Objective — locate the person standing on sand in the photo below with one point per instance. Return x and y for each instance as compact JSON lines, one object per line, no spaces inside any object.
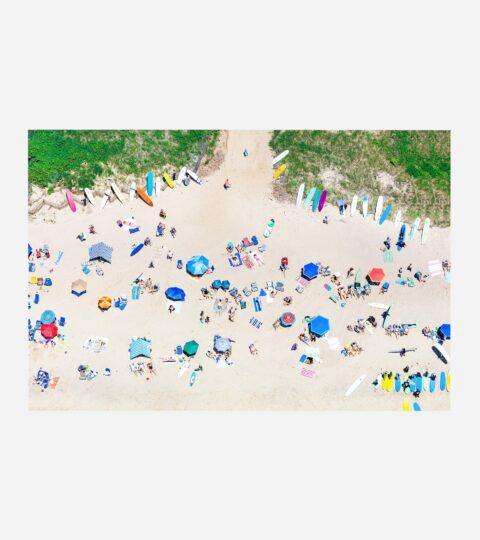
{"x":350,"y":272}
{"x":245,"y":153}
{"x":227,"y":184}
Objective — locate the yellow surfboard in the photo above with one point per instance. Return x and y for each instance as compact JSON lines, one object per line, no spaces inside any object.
{"x":390,"y":382}
{"x":384,"y":382}
{"x":448,"y":382}
{"x":279,"y":171}
{"x":168,"y":180}
{"x":405,"y":405}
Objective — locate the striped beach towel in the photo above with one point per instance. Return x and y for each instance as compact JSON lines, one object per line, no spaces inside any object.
{"x":388,"y":256}
{"x":435,"y":268}
{"x":135,"y":292}
{"x":255,"y":322}
{"x":247,"y":262}
{"x":307,"y":372}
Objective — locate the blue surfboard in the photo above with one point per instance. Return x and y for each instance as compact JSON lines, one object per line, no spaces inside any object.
{"x":136,"y":249}
{"x":384,"y":216}
{"x":433,"y":382}
{"x":416,"y":407}
{"x":309,"y":197}
{"x":150,"y":184}
{"x":398,"y":383}
{"x":418,"y":383}
{"x":443,"y":381}
{"x":401,"y":237}
{"x":316,"y":200}
{"x":193,"y":378}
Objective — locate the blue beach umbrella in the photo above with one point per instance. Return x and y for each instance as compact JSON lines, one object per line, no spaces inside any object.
{"x":198,"y":265}
{"x":226,"y":285}
{"x":47,"y":317}
{"x":319,"y":326}
{"x":216,"y":284}
{"x":29,"y":250}
{"x":221,"y":344}
{"x":444,"y":331}
{"x":175,"y":294}
{"x":310,"y":271}
{"x":341,"y":202}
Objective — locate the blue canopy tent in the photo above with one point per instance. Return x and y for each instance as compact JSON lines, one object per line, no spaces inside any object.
{"x":319,"y":326}
{"x":444,"y":331}
{"x":175,"y":294}
{"x":310,"y":271}
{"x":216,"y":284}
{"x":221,"y":344}
{"x":101,"y":252}
{"x":140,"y":347}
{"x":47,"y":317}
{"x":198,"y":265}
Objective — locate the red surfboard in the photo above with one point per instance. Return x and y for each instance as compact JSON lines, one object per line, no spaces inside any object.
{"x":322,"y":201}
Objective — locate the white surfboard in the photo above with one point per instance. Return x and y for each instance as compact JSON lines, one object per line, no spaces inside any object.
{"x":378,"y":208}
{"x":398,"y":218}
{"x":414,"y":228}
{"x":365,"y":205}
{"x":355,"y":385}
{"x":378,"y":305}
{"x":279,"y":157}
{"x":193,"y":176}
{"x":181,"y":175}
{"x":133,"y":187}
{"x":353,"y":207}
{"x":443,"y":352}
{"x":184,"y":368}
{"x":117,"y":192}
{"x":369,"y":327}
{"x":106,"y":196}
{"x":89,"y":196}
{"x":300,"y":194}
{"x":425,"y":231}
{"x":157,"y":187}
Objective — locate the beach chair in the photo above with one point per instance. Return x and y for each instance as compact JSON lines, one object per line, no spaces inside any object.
{"x":40,"y":281}
{"x":299,"y":289}
{"x":48,"y":282}
{"x":243,"y":304}
{"x":33,"y":280}
{"x":246,"y":242}
{"x":178,"y":349}
{"x":385,"y":287}
{"x":61,"y":321}
{"x":270,"y":285}
{"x":233,"y":292}
{"x":254,"y":287}
{"x":31,"y":267}
{"x":334,"y":298}
{"x":246,"y":291}
{"x":254,"y":241}
{"x":262,"y":248}
{"x":279,"y":286}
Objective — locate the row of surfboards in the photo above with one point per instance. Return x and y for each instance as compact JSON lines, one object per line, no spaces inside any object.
{"x":317,"y":199}
{"x":418,"y":383}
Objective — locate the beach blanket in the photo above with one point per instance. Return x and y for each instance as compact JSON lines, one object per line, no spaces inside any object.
{"x":435,"y":268}
{"x":247,"y":262}
{"x":388,"y":256}
{"x":334,"y":344}
{"x":135,"y":292}
{"x":235,"y":261}
{"x":255,"y":322}
{"x":134,"y":230}
{"x":303,"y":282}
{"x":222,"y":363}
{"x":307,"y":372}
{"x":257,"y":259}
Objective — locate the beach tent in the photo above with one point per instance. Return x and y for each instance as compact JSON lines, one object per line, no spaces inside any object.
{"x":105,"y":303}
{"x":140,"y":347}
{"x":376,"y":276}
{"x":47,"y":317}
{"x":226,"y":285}
{"x":444,"y":331}
{"x":100,"y":252}
{"x":175,"y":294}
{"x":79,"y":287}
{"x":216,"y":284}
{"x":310,"y":271}
{"x":287,"y":319}
{"x":198,"y":265}
{"x":319,"y":326}
{"x":48,"y":331}
{"x":221,"y":344}
{"x":190,"y":348}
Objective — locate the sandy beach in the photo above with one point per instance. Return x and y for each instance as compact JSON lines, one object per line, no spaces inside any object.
{"x":206,"y":218}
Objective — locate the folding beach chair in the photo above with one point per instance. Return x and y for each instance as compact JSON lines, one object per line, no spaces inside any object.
{"x":179,"y":349}
{"x":61,"y":321}
{"x":279,"y":286}
{"x":254,"y":241}
{"x":299,"y":289}
{"x":262,"y":248}
{"x":334,"y":298}
{"x":254,"y":287}
{"x":33,"y":280}
{"x":246,"y":242}
{"x":246,"y":291}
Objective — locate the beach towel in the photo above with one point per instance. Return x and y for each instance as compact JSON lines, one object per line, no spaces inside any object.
{"x":134,"y":230}
{"x":54,"y":382}
{"x":36,"y":298}
{"x":246,"y":242}
{"x":257,"y":259}
{"x":435,"y":268}
{"x":235,"y":260}
{"x":303,"y":282}
{"x":255,"y":322}
{"x":334,"y":344}
{"x":247,"y":262}
{"x":31,"y":267}
{"x":257,"y":304}
{"x":307,"y":372}
{"x":388,"y":256}
{"x":135,"y":292}
{"x":327,"y":287}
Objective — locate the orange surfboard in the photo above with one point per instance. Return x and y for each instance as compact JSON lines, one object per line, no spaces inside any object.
{"x":144,"y":196}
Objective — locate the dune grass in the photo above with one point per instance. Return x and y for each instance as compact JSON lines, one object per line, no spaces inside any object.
{"x":411,"y":169}
{"x":76,"y":159}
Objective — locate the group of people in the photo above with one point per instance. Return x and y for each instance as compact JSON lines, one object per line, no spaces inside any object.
{"x":204,"y":318}
{"x":397,"y":330}
{"x":360,"y":326}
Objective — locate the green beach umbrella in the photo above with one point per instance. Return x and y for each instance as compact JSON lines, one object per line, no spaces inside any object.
{"x":190,"y":348}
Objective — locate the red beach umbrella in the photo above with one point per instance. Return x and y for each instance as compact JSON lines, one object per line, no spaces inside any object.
{"x":376,"y":276}
{"x":49,"y":331}
{"x":287,"y":318}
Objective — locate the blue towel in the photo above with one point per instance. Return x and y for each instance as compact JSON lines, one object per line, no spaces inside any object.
{"x":136,"y":229}
{"x":135,"y":292}
{"x":36,"y":298}
{"x":61,"y":322}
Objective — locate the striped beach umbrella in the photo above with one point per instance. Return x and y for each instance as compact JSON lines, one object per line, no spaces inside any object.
{"x":105,"y":303}
{"x":287,"y":319}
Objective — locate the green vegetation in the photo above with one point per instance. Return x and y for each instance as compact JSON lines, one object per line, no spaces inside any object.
{"x":410,"y":168}
{"x":77,"y":158}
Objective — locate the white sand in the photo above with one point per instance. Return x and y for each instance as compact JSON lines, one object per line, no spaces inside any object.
{"x":206,"y":218}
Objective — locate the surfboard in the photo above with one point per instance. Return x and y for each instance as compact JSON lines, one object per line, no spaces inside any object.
{"x":89,"y":196}
{"x":117,"y":192}
{"x":136,"y":249}
{"x":369,"y":327}
{"x":384,"y":382}
{"x":378,"y":208}
{"x":300,"y":194}
{"x":150,"y":183}
{"x":193,"y":377}
{"x":418,"y":383}
{"x":398,"y":383}
{"x":426,"y":382}
{"x":390,"y":382}
{"x":184,"y":368}
{"x":279,"y":157}
{"x":378,"y":305}
{"x":401,"y":236}
{"x":443,"y":381}
{"x":398,"y":217}
{"x":323,"y":200}
{"x":316,"y":200}
{"x":416,"y":407}
{"x":194,"y":176}
{"x":71,"y":201}
{"x":365,"y":205}
{"x":449,"y":379}
{"x":157,"y":187}
{"x":279,"y":171}
{"x":310,"y":195}
{"x":405,"y":405}
{"x":425,"y":230}
{"x":133,"y":187}
{"x":414,"y":228}
{"x":145,"y":198}
{"x":353,"y":206}
{"x":168,"y":180}
{"x":384,"y":216}
{"x":106,"y":197}
{"x":355,"y":385}
{"x":433,"y":382}
{"x":181,"y":175}
{"x":443,"y":352}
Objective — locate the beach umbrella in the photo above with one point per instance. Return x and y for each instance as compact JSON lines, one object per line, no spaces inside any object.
{"x":310,"y":271}
{"x":376,"y":276}
{"x":226,"y":285}
{"x":48,"y":331}
{"x":287,"y":319}
{"x":198,"y":265}
{"x":29,"y":250}
{"x":221,"y":344}
{"x":105,"y":303}
{"x":79,"y":287}
{"x":175,"y":294}
{"x":341,"y":202}
{"x":190,"y":348}
{"x":444,"y":331}
{"x":47,"y":317}
{"x":319,"y":326}
{"x":216,"y":284}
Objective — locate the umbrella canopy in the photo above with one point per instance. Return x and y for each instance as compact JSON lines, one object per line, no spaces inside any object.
{"x":376,"y":276}
{"x":48,"y":331}
{"x":221,"y":344}
{"x":47,"y":317}
{"x":226,"y":285}
{"x":198,"y":265}
{"x":310,"y":271}
{"x":105,"y":303}
{"x":287,"y":318}
{"x":319,"y":325}
{"x":175,"y":294}
{"x":190,"y":348}
{"x":140,"y":347}
{"x":444,"y":331}
{"x":216,"y":284}
{"x":79,"y":287}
